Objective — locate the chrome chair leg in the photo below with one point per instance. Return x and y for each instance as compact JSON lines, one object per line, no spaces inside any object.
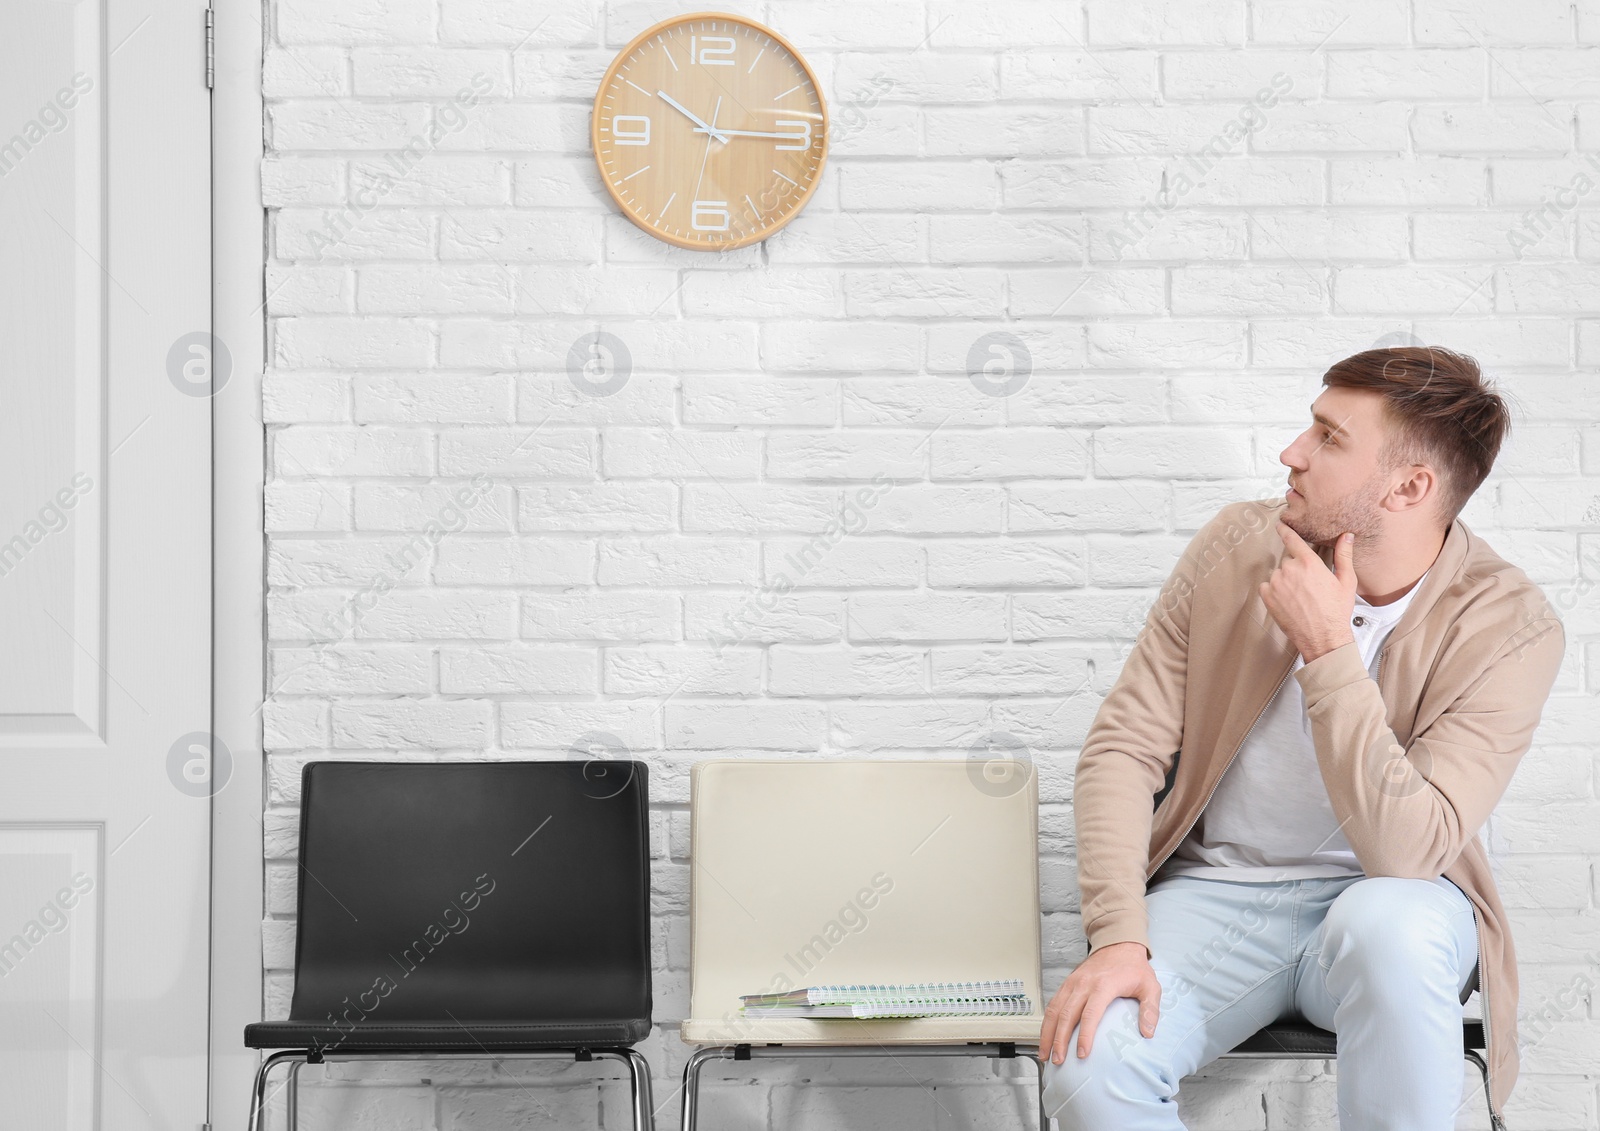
{"x":1034,"y":1055}
{"x":258,"y":1100}
{"x":691,"y":1081}
{"x":291,"y":1096}
{"x":644,"y":1108}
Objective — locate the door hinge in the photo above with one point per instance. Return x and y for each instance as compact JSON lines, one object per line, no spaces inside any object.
{"x":211,"y":49}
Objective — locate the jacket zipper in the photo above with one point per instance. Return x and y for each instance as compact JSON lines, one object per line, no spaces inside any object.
{"x":1156,"y":867}
{"x":1495,"y":1121}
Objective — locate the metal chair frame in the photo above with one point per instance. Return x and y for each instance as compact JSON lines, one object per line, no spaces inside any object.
{"x":638,"y":1069}
{"x":994,"y":1050}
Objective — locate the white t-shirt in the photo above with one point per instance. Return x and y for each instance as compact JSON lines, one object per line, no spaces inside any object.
{"x":1270,"y":818}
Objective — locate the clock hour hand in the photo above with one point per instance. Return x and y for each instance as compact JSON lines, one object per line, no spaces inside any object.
{"x":701,"y":127}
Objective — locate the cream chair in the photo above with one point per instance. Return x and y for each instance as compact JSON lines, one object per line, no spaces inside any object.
{"x":835,"y":872}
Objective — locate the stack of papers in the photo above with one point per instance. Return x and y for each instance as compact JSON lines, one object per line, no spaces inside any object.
{"x":921,"y":999}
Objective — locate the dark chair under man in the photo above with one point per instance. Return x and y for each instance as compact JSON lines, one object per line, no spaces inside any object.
{"x":497,"y":910}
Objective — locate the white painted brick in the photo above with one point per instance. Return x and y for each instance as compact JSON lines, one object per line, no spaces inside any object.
{"x":438,"y":179}
{"x":756,"y":508}
{"x":394,"y":723}
{"x":1209,"y":22}
{"x":927,"y":186}
{"x":357,"y":343}
{"x":1411,"y":290}
{"x":517,"y":669}
{"x":1302,"y":235}
{"x":1415,"y":181}
{"x":429,"y":72}
{"x":1317,"y":23}
{"x":1053,"y":346}
{"x":1499,"y":127}
{"x":442,"y":398}
{"x":1013,"y":562}
{"x":666,"y":671}
{"x":573,"y":398}
{"x":934,"y":510}
{"x":289,"y":724}
{"x":610,"y":616}
{"x":1002,"y":131}
{"x":608,"y":506}
{"x":516,"y":23}
{"x":1010,"y":453}
{"x":344,"y":125}
{"x":849,"y":562}
{"x":1170,"y":453}
{"x":361,"y":21}
{"x":519,"y":237}
{"x":310,"y":450}
{"x":472,"y":560}
{"x":776,"y":292}
{"x":1078,"y":76}
{"x":1266,"y":290}
{"x":1154,"y":344}
{"x":316,"y":561}
{"x":909,"y":402}
{"x":838,"y":25}
{"x":853,"y":346}
{"x":932,"y":616}
{"x":304,"y":72}
{"x":307,"y":505}
{"x":1459,"y":21}
{"x":631,"y":453}
{"x":311,"y":290}
{"x":1420,"y":74}
{"x":856,"y":454}
{"x":291,"y":180}
{"x":1051,"y":294}
{"x":1180,"y":236}
{"x":1240,"y":75}
{"x":669,"y":560}
{"x":768,"y":725}
{"x":519,"y":452}
{"x":923,"y":76}
{"x":557,"y":725}
{"x":351,"y":669}
{"x":819,"y":236}
{"x":377,"y":233}
{"x":417,"y":289}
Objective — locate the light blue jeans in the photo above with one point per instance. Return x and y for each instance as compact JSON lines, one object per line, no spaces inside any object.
{"x":1384,"y":962}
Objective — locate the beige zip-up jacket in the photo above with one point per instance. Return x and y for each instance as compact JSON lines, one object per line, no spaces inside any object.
{"x":1462,"y":680}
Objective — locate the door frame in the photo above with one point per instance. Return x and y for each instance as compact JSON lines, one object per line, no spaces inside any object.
{"x":238,"y":555}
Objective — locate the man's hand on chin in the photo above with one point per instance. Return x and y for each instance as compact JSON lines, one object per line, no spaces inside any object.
{"x":1311,"y":604}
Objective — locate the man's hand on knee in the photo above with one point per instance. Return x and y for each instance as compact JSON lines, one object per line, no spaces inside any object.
{"x":1116,"y":970}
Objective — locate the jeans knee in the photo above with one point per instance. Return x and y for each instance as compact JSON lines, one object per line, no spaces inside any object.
{"x":1123,"y":1065}
{"x":1390,"y":926}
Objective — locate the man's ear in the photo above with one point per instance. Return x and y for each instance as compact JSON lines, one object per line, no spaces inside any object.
{"x":1419,"y":487}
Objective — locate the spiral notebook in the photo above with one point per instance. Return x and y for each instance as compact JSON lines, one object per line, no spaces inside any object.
{"x":920,"y":999}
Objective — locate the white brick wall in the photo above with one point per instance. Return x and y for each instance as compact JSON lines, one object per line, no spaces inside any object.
{"x":989,"y":164}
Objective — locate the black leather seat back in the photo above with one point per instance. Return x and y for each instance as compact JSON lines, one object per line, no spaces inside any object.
{"x":473,"y":891}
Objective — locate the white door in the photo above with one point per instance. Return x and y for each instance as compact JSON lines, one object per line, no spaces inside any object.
{"x":105,"y":564}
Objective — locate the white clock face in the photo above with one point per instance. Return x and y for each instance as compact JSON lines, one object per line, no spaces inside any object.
{"x":709,"y":132}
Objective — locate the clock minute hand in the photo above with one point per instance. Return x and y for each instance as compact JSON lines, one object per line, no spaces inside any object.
{"x":701,"y":127}
{"x":752,"y":133}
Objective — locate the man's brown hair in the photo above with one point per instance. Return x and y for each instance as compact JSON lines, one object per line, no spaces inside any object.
{"x":1440,"y":410}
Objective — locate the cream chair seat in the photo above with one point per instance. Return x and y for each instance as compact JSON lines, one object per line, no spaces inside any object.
{"x":808,"y":872}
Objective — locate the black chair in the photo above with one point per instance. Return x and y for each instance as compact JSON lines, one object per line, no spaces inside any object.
{"x":478,"y":909}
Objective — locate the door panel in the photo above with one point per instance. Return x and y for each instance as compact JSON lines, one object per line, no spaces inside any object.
{"x":105,"y":570}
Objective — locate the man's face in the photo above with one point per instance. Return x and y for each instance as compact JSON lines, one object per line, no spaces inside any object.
{"x":1336,"y":476}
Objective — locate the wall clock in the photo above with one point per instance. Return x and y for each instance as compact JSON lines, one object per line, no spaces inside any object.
{"x":709,"y":131}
